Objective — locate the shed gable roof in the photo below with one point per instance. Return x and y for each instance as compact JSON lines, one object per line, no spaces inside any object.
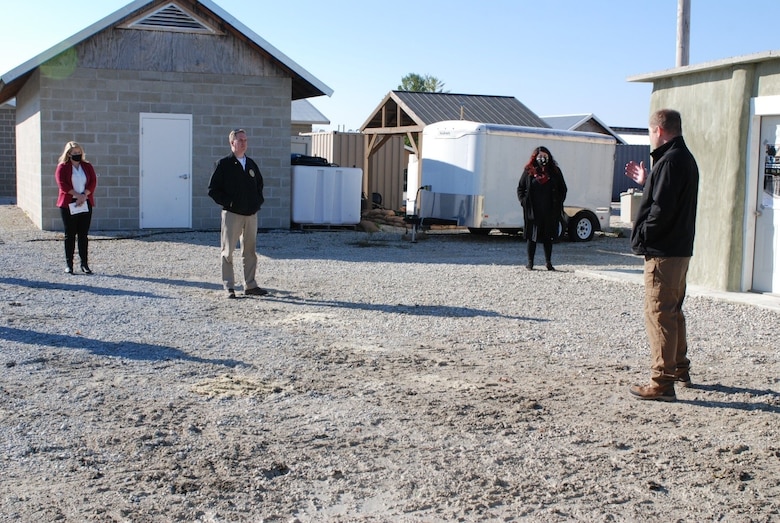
{"x":576,"y":122}
{"x":304,"y":84}
{"x":411,"y":111}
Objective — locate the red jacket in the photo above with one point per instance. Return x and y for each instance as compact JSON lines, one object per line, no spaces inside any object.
{"x":63,"y":176}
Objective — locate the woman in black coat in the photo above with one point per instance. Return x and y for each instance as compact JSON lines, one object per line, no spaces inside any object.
{"x":541,"y":192}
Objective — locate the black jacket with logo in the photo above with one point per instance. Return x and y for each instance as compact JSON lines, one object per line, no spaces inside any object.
{"x":236,"y":189}
{"x":666,"y":219}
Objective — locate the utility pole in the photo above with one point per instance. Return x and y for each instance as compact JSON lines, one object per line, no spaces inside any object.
{"x":683,"y":32}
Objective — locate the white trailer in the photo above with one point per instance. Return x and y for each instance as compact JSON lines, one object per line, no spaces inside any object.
{"x":470,"y":172}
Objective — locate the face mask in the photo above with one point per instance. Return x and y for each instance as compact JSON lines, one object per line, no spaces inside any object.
{"x":75,"y":157}
{"x":542,"y":160}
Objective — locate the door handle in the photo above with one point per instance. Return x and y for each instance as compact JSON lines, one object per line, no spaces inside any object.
{"x":184,"y":176}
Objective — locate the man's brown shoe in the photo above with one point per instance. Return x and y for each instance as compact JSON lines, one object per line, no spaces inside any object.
{"x":255,"y":291}
{"x":653,"y":392}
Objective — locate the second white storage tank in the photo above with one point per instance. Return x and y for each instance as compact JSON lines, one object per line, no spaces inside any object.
{"x":326,"y":195}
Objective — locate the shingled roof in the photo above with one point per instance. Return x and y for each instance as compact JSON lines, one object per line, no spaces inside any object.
{"x":409,"y":111}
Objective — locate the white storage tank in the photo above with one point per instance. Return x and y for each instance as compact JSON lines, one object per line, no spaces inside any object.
{"x":326,"y":195}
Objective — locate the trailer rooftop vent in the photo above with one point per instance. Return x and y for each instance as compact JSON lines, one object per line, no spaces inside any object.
{"x":171,"y":17}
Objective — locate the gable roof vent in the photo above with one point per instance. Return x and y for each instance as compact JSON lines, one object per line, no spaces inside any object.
{"x":171,"y":17}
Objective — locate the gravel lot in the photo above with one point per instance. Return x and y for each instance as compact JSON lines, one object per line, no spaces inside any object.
{"x":380,"y":380}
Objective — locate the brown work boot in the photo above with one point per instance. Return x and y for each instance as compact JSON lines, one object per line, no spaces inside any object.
{"x":683,"y":378}
{"x":653,"y":392}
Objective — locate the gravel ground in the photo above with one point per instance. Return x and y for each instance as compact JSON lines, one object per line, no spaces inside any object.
{"x":380,"y":380}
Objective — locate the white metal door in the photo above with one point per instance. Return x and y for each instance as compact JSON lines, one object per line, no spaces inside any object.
{"x":766,"y":256}
{"x":166,"y":171}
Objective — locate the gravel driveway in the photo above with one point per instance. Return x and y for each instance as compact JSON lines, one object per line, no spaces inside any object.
{"x":380,"y":380}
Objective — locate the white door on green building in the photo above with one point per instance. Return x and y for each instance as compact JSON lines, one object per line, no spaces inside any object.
{"x":166,"y":171}
{"x":766,"y":256}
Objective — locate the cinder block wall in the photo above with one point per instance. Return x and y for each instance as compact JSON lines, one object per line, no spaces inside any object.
{"x":7,"y":150}
{"x":101,"y":109}
{"x":28,"y":152}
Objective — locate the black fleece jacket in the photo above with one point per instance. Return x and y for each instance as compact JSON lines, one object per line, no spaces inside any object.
{"x":666,"y":219}
{"x":236,"y":189}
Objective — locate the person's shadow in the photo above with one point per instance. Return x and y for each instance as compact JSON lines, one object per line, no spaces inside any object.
{"x":772,"y":406}
{"x":123,"y":349}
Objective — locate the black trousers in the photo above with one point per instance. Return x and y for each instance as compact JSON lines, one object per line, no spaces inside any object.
{"x":76,"y":228}
{"x":531,"y":246}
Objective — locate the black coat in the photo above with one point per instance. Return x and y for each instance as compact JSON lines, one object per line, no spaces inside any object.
{"x":548,"y":202}
{"x":666,"y":218}
{"x":236,"y":189}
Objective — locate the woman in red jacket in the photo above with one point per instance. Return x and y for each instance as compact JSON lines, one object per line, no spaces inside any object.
{"x":76,"y":179}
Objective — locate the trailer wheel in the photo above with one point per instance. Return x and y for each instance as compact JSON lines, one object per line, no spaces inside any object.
{"x":582,"y":227}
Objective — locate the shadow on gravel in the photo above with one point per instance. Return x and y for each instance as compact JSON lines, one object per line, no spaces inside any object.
{"x":168,"y":281}
{"x":444,"y":311}
{"x":123,"y":349}
{"x":67,"y":287}
{"x":738,"y":405}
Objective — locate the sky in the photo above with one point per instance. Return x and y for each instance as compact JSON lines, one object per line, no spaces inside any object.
{"x":558,"y":57}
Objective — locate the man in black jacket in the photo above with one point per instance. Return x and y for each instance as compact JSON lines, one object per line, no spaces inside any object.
{"x":663,"y":233}
{"x":237,"y":186}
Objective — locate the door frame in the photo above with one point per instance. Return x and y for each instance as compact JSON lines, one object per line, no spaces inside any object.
{"x":163,"y":116}
{"x":759,"y":107}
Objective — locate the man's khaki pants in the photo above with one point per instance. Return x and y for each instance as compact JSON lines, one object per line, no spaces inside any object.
{"x":235,"y":227}
{"x":664,"y":320}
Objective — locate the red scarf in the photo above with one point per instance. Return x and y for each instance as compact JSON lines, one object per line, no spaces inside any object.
{"x":541,"y":176}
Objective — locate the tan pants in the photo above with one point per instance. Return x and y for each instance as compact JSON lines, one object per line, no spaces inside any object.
{"x":237,"y":227}
{"x":664,"y":320}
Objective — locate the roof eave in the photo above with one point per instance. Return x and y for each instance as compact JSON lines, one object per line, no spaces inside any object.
{"x":318,"y":87}
{"x":36,"y":61}
{"x":707,"y":66}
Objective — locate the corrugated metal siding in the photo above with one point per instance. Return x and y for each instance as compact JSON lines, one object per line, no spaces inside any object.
{"x":386,"y":173}
{"x":624,"y":154}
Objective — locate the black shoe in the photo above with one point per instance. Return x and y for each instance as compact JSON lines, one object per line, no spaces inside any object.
{"x":85,"y":269}
{"x":255,"y":291}
{"x":550,"y":266}
{"x":530,"y":266}
{"x":68,"y":270}
{"x":231,"y":294}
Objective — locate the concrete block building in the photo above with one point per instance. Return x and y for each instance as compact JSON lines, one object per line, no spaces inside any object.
{"x":151,"y":92}
{"x":731,"y":123}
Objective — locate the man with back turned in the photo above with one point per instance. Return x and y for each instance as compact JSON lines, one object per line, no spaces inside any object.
{"x":663,"y":233}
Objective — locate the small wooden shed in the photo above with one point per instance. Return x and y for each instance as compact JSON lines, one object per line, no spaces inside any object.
{"x":406,"y":113}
